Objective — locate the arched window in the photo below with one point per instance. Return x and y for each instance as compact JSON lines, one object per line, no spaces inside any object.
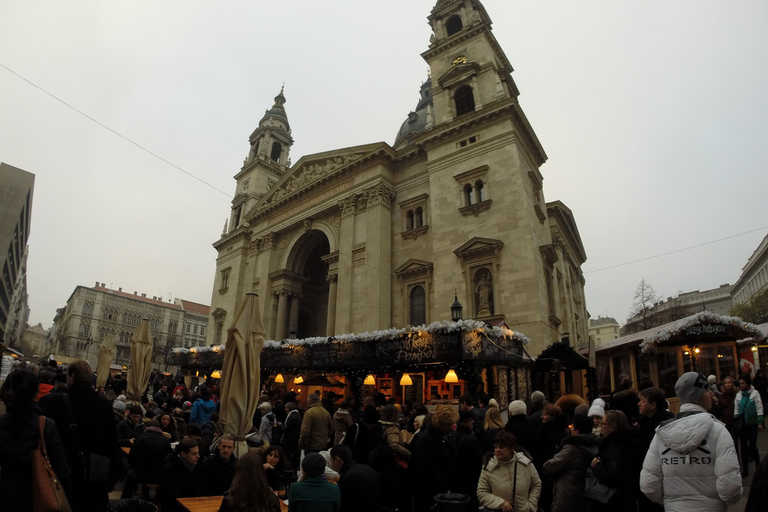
{"x":468,"y":194}
{"x":465,"y":100}
{"x":418,"y":306}
{"x":277,"y":149}
{"x":419,"y":221}
{"x":479,"y":191}
{"x":409,"y":220}
{"x":453,"y":25}
{"x":88,"y":309}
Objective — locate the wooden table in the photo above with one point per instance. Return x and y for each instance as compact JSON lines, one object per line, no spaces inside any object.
{"x":204,"y":504}
{"x":211,"y":504}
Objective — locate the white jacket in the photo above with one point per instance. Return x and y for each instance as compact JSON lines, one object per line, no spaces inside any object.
{"x":692,"y":464}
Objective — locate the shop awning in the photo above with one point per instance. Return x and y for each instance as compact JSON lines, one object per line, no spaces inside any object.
{"x":702,"y":327}
{"x":9,"y":350}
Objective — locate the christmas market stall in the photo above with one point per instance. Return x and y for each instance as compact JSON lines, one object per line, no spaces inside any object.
{"x":429,"y":364}
{"x":704,"y":342}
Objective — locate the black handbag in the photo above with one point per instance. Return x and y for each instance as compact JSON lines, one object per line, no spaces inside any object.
{"x":596,"y":490}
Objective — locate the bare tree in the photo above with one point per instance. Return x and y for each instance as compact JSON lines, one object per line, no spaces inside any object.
{"x":641,"y":315}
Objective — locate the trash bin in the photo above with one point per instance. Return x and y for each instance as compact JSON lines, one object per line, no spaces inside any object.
{"x":450,"y":502}
{"x":132,"y":506}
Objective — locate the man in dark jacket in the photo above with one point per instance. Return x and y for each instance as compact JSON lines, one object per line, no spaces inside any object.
{"x":653,"y":410}
{"x":146,"y":458}
{"x":92,"y":415}
{"x":217,"y":471}
{"x":290,"y":440}
{"x":526,"y":434}
{"x":178,"y":478}
{"x":359,"y":484}
{"x":435,"y":459}
{"x":470,"y":457}
{"x":364,"y":436}
{"x":131,"y":427}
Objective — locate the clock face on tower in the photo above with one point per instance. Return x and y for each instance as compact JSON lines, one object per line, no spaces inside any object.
{"x":461,"y":59}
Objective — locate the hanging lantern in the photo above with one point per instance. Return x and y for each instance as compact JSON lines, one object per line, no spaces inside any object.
{"x":451,"y":376}
{"x":216,"y":374}
{"x":370,"y":380}
{"x":279,"y":379}
{"x":298,"y":380}
{"x":406,"y":380}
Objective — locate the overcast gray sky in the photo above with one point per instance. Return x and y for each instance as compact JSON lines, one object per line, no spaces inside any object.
{"x":652,"y":114}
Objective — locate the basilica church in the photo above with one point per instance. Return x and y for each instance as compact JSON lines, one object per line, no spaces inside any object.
{"x":378,"y":236}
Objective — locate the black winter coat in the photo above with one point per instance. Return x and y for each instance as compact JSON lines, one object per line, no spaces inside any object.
{"x":527,"y":437}
{"x":436,"y":458}
{"x":619,"y":468}
{"x":95,"y":433}
{"x":15,"y":454}
{"x":176,"y":481}
{"x":360,"y":489}
{"x":148,"y":454}
{"x":215,"y":474}
{"x":126,"y":431}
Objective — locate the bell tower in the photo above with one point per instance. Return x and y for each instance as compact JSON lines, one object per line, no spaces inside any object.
{"x":268,"y":159}
{"x":468,"y":68}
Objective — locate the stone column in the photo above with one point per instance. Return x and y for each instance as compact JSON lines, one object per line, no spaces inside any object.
{"x":378,"y":258}
{"x":331,"y":321}
{"x":293,"y":317}
{"x":343,"y":322}
{"x":282,"y":316}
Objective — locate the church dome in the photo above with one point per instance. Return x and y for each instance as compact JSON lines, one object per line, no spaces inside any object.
{"x":277,"y":112}
{"x":417,"y":120}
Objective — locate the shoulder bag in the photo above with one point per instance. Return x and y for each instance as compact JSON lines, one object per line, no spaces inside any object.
{"x":47,"y":491}
{"x":596,"y":490}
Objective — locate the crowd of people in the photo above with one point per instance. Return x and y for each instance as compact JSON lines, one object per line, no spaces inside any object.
{"x":331,"y":453}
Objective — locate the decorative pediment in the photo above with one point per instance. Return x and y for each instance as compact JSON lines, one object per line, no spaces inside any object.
{"x":219,"y":313}
{"x":458,"y":73}
{"x":413,"y":268}
{"x":305,"y":175}
{"x":478,"y":246}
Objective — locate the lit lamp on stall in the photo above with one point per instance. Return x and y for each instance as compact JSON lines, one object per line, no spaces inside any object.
{"x":298,"y":380}
{"x":370,"y":380}
{"x":279,"y":379}
{"x":456,"y":308}
{"x":216,"y":374}
{"x":451,"y":376}
{"x":405,"y":380}
{"x":753,"y":348}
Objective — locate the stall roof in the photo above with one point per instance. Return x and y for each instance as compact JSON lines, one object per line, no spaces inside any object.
{"x":8,"y":349}
{"x":707,"y":325}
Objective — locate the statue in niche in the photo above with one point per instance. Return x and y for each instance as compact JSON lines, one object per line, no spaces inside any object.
{"x":483,"y":293}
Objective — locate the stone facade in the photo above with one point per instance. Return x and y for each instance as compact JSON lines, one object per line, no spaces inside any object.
{"x":92,"y":313}
{"x":754,"y":275}
{"x":603,"y":329}
{"x":378,"y":236}
{"x":16,"y":188}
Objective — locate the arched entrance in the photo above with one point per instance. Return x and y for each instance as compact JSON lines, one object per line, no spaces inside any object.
{"x":309,"y":288}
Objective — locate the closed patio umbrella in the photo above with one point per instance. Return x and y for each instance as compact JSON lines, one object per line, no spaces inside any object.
{"x":141,"y":362}
{"x":106,"y":356}
{"x":241,"y":371}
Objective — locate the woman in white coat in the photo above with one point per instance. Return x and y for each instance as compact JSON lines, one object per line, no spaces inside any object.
{"x":509,"y":480}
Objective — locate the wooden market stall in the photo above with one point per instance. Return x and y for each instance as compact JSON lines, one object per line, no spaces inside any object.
{"x":407,"y":364}
{"x":704,"y":342}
